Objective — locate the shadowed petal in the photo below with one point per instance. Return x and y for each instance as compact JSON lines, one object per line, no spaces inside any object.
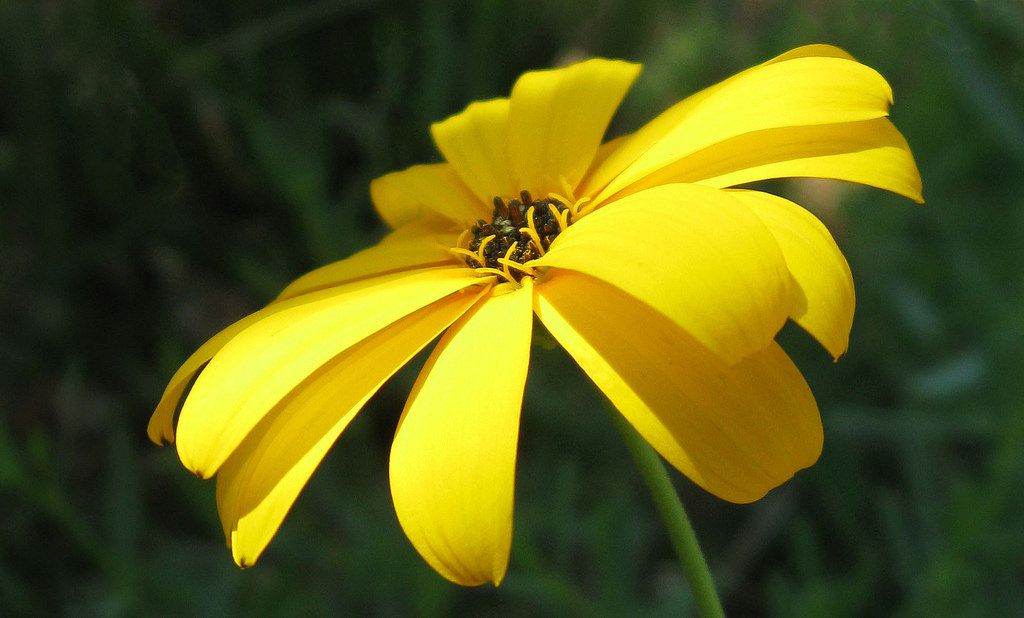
{"x":823,"y":283}
{"x":737,"y":431}
{"x":453,"y":458}
{"x":474,"y":142}
{"x":694,"y":253}
{"x":263,"y":363}
{"x":558,"y":119}
{"x":424,"y":190}
{"x":258,"y":483}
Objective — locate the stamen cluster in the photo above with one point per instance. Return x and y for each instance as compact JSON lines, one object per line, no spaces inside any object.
{"x":520,"y":230}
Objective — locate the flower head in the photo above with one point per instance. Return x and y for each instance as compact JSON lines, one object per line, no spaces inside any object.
{"x":664,"y":284}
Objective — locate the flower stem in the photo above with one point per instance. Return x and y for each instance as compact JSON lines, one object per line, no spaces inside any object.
{"x":681,"y":533}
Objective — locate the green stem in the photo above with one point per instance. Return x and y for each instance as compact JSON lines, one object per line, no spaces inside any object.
{"x":681,"y":533}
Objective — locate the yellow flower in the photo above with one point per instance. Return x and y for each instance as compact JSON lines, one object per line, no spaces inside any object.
{"x":665,"y":286}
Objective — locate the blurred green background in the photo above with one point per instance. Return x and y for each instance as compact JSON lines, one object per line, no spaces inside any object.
{"x":166,"y":166}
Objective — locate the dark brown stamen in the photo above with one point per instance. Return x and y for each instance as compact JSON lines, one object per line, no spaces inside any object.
{"x":507,"y":222}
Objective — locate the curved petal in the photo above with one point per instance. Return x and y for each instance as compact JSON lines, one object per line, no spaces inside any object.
{"x":454,"y":455}
{"x":263,"y":363}
{"x":738,"y":431}
{"x":632,"y":146}
{"x":260,"y":481}
{"x":161,"y":423}
{"x":424,"y":190}
{"x":558,"y":118}
{"x":474,"y":143}
{"x":870,"y":152}
{"x":793,"y":92}
{"x":694,"y":253}
{"x":823,"y":287}
{"x":604,"y":152}
{"x":814,"y":50}
{"x":420,"y":244}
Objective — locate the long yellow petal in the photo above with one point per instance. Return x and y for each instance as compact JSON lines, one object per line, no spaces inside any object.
{"x":629,"y":147}
{"x":424,"y":190}
{"x":558,"y":118}
{"x":417,"y":245}
{"x":824,"y":298}
{"x":263,"y":363}
{"x":420,"y":244}
{"x":692,"y":252}
{"x":474,"y":142}
{"x":260,"y":481}
{"x":738,"y":431}
{"x":161,"y":423}
{"x":793,"y":92}
{"x":454,"y":455}
{"x":870,"y":152}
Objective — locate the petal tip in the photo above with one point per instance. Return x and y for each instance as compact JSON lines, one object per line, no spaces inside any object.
{"x":243,"y":560}
{"x":160,"y":428}
{"x":837,"y":350}
{"x":160,"y":437}
{"x":500,"y":570}
{"x":186,"y":458}
{"x":747,"y":498}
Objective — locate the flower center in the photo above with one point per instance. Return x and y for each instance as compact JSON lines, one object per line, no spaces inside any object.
{"x":520,"y":230}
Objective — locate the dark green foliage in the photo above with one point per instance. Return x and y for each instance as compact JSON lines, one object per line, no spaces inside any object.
{"x":165,"y":167}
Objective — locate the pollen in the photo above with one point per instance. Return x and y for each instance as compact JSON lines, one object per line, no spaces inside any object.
{"x":520,"y":230}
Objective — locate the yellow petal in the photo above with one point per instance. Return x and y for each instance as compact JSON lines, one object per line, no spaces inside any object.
{"x":420,"y":244}
{"x":258,"y":483}
{"x":474,"y":143}
{"x":558,"y":118}
{"x":694,"y":253}
{"x":870,"y":152}
{"x":814,"y":50}
{"x":738,"y":431}
{"x":824,"y":298}
{"x":424,"y":190}
{"x":161,"y":423}
{"x":416,"y":245}
{"x":793,"y":92}
{"x":607,"y":167}
{"x":454,"y":455}
{"x":605,"y":152}
{"x":263,"y":363}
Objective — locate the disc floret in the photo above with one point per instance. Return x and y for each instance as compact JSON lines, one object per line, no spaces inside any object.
{"x":521,"y":229}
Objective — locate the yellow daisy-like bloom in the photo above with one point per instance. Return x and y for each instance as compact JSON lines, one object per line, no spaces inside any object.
{"x":667,"y":287}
